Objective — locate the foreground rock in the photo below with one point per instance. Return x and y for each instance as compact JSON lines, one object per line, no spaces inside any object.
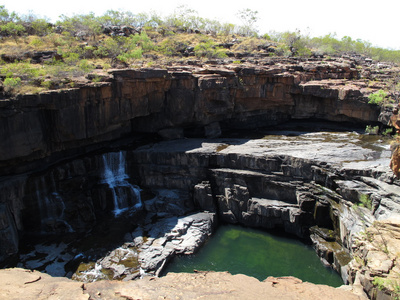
{"x":149,"y":248}
{"x":376,"y":262}
{"x":24,"y":284}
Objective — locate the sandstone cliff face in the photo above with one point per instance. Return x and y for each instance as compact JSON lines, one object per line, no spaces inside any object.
{"x":302,"y":184}
{"x":55,"y":124}
{"x":46,"y":136}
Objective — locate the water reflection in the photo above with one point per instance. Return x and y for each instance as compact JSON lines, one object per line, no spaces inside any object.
{"x":256,"y":253}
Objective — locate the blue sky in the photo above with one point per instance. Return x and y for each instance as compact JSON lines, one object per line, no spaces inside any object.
{"x":377,"y":23}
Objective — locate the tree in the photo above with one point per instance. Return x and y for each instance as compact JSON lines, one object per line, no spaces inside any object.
{"x":249,"y":18}
{"x":88,"y":24}
{"x":121,"y":18}
{"x":183,"y":18}
{"x":36,"y":25}
{"x":12,"y":29}
{"x":6,"y":16}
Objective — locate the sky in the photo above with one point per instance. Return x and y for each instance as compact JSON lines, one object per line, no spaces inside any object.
{"x":377,"y":23}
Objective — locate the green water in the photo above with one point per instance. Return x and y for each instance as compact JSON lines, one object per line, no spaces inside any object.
{"x":256,"y":253}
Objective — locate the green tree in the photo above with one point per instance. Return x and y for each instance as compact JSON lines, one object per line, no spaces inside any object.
{"x":11,"y":85}
{"x":12,"y":29}
{"x":121,"y":18}
{"x":89,"y":24}
{"x":249,"y":18}
{"x":183,"y":18}
{"x":6,"y":16}
{"x":35,"y":24}
{"x":41,"y":27}
{"x":379,"y":98}
{"x":209,"y":49}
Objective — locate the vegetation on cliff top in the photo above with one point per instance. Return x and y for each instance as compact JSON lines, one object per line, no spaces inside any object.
{"x":37,"y":55}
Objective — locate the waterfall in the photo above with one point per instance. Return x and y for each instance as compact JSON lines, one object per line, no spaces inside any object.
{"x":125,"y":195}
{"x":51,"y":206}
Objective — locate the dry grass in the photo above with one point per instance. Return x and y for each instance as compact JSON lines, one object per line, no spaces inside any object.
{"x":70,"y":72}
{"x":248,"y":44}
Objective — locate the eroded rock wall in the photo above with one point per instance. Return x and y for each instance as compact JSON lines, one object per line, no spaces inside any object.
{"x":63,"y":123}
{"x":65,"y":198}
{"x":305,"y":187}
{"x":45,"y":137}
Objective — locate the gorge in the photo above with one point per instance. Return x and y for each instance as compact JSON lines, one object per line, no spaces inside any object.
{"x":277,"y":143}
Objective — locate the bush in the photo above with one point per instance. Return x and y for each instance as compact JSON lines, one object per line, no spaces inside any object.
{"x":36,"y":42}
{"x":372,"y":129}
{"x":209,"y":50}
{"x":41,"y":27}
{"x":172,"y":47}
{"x":11,"y":84}
{"x":378,"y":98}
{"x":133,"y":54}
{"x":249,"y":44}
{"x":85,"y":66}
{"x":22,"y":69}
{"x":84,"y":24}
{"x":12,"y":29}
{"x":70,"y":58}
{"x":365,"y":201}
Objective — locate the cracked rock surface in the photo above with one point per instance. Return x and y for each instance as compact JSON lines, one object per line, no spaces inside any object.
{"x":23,"y":284}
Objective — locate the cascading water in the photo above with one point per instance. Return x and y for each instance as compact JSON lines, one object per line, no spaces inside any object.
{"x":51,"y":207}
{"x":125,"y":195}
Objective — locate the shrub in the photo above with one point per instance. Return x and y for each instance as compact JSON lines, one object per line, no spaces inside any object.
{"x":36,"y":42}
{"x":88,"y":25}
{"x":41,"y":27}
{"x":23,"y":70}
{"x":209,"y":50}
{"x":391,"y":286}
{"x":71,"y":58}
{"x":365,"y":201}
{"x":133,"y":54}
{"x":371,"y":129}
{"x":57,"y":40}
{"x":387,"y":131}
{"x":46,"y":84}
{"x":85,"y":66}
{"x":172,"y":47}
{"x":11,"y":84}
{"x":12,"y":29}
{"x":249,"y":18}
{"x":377,"y":98}
{"x":249,"y":44}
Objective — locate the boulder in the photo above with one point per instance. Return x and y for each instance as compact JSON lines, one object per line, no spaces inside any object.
{"x":151,"y":248}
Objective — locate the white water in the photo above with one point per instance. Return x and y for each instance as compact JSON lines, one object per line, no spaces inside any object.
{"x":125,"y":195}
{"x":51,"y":205}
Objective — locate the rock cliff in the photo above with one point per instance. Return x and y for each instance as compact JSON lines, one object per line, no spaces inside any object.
{"x":185,"y":100}
{"x":53,"y":166}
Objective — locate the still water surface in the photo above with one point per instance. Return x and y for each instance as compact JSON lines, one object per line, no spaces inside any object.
{"x":259,"y":254}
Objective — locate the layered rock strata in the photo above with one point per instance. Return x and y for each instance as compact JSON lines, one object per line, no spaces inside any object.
{"x":281,"y":184}
{"x":376,"y":260}
{"x":298,"y":182}
{"x":188,"y":99}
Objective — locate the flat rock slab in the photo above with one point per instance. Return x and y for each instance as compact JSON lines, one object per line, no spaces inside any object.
{"x":346,"y":149}
{"x":23,"y":284}
{"x":148,"y":254}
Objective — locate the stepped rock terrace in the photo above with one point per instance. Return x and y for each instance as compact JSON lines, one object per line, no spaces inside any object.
{"x":257,"y":145}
